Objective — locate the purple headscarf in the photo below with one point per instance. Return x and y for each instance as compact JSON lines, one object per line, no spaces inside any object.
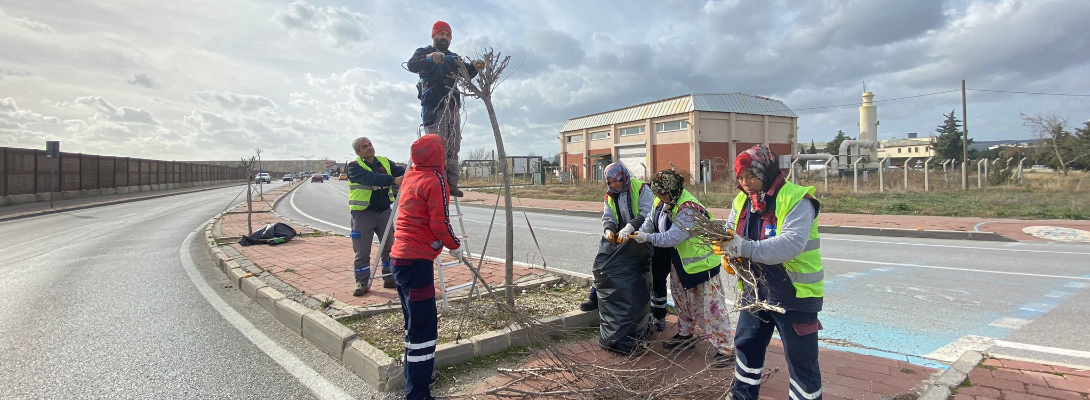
{"x":618,"y":172}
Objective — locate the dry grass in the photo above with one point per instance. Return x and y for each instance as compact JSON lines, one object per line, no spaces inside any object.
{"x":1041,"y":196}
{"x":387,"y":331}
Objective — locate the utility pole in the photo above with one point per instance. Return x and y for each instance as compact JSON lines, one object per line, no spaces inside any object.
{"x":964,"y":141}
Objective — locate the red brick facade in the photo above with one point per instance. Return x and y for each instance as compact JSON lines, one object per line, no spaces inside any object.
{"x":677,"y":153}
{"x":722,"y":160}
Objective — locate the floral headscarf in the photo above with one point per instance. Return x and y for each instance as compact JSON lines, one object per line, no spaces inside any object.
{"x":761,"y":162}
{"x":668,"y":181}
{"x":618,"y":172}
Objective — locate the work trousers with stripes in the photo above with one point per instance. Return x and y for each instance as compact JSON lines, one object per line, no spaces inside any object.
{"x":416,"y":289}
{"x":660,"y":270}
{"x":366,"y":224}
{"x":798,"y":332}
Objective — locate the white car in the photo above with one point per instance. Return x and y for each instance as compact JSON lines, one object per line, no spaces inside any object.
{"x":263,"y":177}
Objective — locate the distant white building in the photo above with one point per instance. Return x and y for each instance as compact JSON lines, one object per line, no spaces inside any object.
{"x":901,"y":150}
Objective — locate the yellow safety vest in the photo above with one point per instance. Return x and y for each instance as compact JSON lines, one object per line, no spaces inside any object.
{"x":805,"y":270}
{"x":359,"y":195}
{"x":634,"y":187}
{"x":694,"y":257}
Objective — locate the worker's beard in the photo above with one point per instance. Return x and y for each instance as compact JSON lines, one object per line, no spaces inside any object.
{"x":441,"y":44}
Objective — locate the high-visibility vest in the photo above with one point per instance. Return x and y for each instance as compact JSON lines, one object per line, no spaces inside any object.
{"x":359,"y":195}
{"x":634,"y":188}
{"x":694,"y":257}
{"x":805,"y":270}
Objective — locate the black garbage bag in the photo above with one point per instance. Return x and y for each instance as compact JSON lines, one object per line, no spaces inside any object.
{"x":273,"y":234}
{"x":622,"y":274}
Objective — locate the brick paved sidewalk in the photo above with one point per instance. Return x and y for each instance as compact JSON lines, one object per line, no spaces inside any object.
{"x":1015,"y":380}
{"x":845,"y":375}
{"x":1011,"y":228}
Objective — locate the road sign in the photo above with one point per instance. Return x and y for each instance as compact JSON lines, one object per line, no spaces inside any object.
{"x":53,"y":149}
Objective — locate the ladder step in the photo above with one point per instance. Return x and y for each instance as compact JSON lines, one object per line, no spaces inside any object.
{"x":456,"y":287}
{"x":449,"y":264}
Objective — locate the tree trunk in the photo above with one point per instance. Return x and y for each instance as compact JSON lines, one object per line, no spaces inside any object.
{"x":509,"y":249}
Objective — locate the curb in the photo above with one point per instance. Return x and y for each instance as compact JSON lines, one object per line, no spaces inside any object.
{"x":29,"y":214}
{"x":940,"y":389}
{"x":835,"y":229}
{"x":369,"y":363}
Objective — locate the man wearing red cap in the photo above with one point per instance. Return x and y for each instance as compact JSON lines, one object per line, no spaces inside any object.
{"x":435,"y":64}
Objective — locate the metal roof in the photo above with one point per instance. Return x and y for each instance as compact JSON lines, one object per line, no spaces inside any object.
{"x":718,"y":102}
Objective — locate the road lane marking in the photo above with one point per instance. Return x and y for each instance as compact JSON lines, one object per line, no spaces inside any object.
{"x":127,"y":215}
{"x":956,"y":247}
{"x":956,"y":269}
{"x":291,"y":200}
{"x":1011,"y":323}
{"x":310,"y":378}
{"x":952,"y":351}
{"x":50,"y":235}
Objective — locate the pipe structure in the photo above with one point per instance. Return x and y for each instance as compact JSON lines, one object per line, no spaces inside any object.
{"x":791,"y":175}
{"x":826,"y":157}
{"x":858,"y":145}
{"x":907,"y":163}
{"x":926,"y":174}
{"x":855,"y":172}
{"x":827,"y":162}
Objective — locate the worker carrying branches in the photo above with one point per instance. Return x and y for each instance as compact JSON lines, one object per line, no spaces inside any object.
{"x":694,"y":276}
{"x":436,"y":65}
{"x":776,"y":229}
{"x":422,"y":230}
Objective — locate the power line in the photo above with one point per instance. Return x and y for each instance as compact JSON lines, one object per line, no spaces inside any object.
{"x":877,"y":101}
{"x":1038,"y":93}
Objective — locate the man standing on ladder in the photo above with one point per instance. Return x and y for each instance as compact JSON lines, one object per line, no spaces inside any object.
{"x":435,"y":64}
{"x":369,"y":180}
{"x":423,"y":229}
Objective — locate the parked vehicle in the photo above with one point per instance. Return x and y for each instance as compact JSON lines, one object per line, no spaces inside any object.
{"x":288,"y":178}
{"x":317,"y":178}
{"x":263,"y":177}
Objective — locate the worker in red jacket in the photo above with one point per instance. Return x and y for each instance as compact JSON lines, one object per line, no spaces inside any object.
{"x":422,"y":230}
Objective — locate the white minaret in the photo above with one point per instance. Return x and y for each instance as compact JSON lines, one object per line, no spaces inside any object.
{"x":868,"y":123}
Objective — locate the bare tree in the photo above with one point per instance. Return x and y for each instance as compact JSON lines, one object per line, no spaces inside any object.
{"x":479,"y":153}
{"x":1050,"y":131}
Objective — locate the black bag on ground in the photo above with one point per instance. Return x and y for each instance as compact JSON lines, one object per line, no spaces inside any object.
{"x":274,"y":233}
{"x":622,"y":274}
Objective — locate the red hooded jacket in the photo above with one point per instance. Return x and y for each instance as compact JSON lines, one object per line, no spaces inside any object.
{"x":422,"y":227}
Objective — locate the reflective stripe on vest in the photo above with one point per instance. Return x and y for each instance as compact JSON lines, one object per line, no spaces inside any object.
{"x":359,"y":195}
{"x":805,"y":270}
{"x":694,"y":258}
{"x":634,"y":188}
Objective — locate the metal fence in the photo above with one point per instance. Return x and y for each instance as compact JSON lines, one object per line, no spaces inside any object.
{"x":28,"y":171}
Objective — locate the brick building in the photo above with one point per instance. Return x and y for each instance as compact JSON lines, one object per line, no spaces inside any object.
{"x":684,"y":131}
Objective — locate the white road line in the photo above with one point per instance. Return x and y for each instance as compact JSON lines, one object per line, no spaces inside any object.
{"x":127,"y":215}
{"x":952,"y":351}
{"x":955,"y":247}
{"x":310,"y":378}
{"x":338,"y":190}
{"x":291,"y":200}
{"x":153,"y":209}
{"x":50,"y":235}
{"x":956,"y":269}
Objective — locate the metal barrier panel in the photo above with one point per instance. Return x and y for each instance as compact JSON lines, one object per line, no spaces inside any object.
{"x":69,"y":172}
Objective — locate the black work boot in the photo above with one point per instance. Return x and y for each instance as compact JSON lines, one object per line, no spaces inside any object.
{"x":723,"y":360}
{"x":678,"y":340}
{"x":455,"y":192}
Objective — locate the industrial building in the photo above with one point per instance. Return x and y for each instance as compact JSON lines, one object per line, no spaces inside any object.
{"x":899,"y":151}
{"x":696,"y":134}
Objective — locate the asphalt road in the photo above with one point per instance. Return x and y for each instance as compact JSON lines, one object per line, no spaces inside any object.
{"x":907,"y":296}
{"x":121,"y":302}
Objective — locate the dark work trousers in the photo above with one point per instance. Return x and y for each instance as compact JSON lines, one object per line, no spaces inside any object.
{"x":798,"y":332}
{"x":416,"y":289}
{"x":449,"y":127}
{"x":366,"y":224}
{"x":660,"y":270}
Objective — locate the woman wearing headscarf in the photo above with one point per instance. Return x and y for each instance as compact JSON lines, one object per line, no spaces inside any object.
{"x":693,"y":269}
{"x":627,"y":202}
{"x":775,"y":224}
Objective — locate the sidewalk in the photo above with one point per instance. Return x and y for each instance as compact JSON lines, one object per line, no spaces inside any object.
{"x":845,"y":375}
{"x":1013,"y":380}
{"x":1010,"y":228}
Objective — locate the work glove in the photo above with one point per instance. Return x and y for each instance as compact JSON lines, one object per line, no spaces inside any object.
{"x":727,"y":267}
{"x":479,"y":65}
{"x":733,"y":248}
{"x":609,"y":235}
{"x":627,"y":230}
{"x":437,"y":57}
{"x":456,"y":253}
{"x":642,"y":237}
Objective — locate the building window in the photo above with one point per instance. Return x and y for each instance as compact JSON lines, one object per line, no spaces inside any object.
{"x":671,"y":126}
{"x":599,"y":135}
{"x":635,"y":130}
{"x":898,"y":151}
{"x":575,"y":138}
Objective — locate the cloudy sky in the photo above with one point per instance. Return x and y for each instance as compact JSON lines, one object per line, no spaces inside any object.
{"x":211,"y":79}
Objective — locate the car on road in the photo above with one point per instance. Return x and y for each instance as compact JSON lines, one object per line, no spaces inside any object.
{"x":263,"y":177}
{"x":317,"y":178}
{"x":343,"y":177}
{"x":288,"y":178}
{"x":325,"y":176}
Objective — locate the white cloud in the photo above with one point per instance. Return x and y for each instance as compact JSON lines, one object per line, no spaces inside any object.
{"x":34,"y":25}
{"x":108,"y":112}
{"x":141,"y":80}
{"x":337,"y":27}
{"x":232,"y":101}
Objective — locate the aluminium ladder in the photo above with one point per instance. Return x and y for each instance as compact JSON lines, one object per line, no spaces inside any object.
{"x":440,"y":266}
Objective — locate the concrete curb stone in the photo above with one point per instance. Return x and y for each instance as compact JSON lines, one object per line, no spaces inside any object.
{"x":940,"y":389}
{"x":454,"y":353}
{"x":372,"y":365}
{"x":236,"y":276}
{"x":327,"y":333}
{"x":490,"y":343}
{"x":267,"y":297}
{"x":290,"y":313}
{"x":251,"y":285}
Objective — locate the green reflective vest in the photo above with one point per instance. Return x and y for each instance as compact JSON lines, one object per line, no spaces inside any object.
{"x":805,"y":270}
{"x":694,"y":257}
{"x":359,"y":195}
{"x":634,"y":187}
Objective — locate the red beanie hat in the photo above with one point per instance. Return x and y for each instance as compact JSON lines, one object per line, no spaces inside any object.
{"x":439,"y":27}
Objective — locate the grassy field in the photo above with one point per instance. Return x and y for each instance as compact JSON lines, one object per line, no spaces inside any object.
{"x":1042,"y":196}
